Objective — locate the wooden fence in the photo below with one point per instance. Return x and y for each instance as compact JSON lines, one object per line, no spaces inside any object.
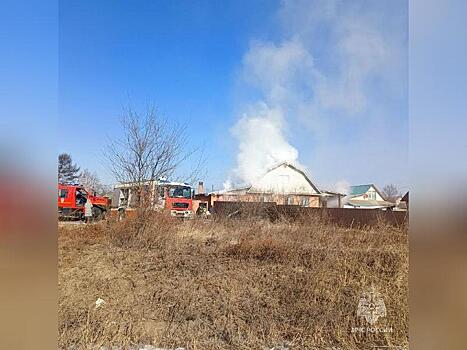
{"x":348,"y":217}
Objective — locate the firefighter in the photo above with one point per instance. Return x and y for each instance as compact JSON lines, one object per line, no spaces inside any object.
{"x":87,"y":211}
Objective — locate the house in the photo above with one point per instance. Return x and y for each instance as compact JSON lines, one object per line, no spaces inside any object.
{"x":283,"y":184}
{"x":366,"y":197}
{"x":402,"y":204}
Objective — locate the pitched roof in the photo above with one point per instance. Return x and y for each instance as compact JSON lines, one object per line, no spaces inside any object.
{"x":406,"y":197}
{"x":302,"y":172}
{"x":359,"y":189}
{"x":250,"y":187}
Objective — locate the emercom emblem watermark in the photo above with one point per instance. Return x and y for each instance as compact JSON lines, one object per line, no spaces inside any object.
{"x":371,"y":307}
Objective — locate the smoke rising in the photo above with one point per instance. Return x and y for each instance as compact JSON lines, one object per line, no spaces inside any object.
{"x":321,"y":71}
{"x":341,"y":186}
{"x":262,"y":143}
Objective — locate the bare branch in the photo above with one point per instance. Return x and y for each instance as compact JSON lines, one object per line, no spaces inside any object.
{"x":150,"y":148}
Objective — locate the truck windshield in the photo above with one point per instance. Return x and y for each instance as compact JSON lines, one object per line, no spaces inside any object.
{"x":180,"y":192}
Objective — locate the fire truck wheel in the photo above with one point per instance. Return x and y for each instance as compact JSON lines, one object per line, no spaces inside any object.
{"x":97,"y":213}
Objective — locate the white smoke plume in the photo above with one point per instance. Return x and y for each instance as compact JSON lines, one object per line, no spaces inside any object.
{"x":262,"y":143}
{"x":341,"y":186}
{"x":296,"y":87}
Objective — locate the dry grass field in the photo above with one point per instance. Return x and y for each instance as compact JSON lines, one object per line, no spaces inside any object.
{"x":230,"y":284}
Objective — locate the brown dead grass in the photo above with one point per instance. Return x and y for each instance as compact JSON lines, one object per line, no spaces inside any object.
{"x":231,"y":284}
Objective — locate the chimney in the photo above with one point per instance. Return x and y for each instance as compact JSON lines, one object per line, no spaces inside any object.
{"x":201,"y":187}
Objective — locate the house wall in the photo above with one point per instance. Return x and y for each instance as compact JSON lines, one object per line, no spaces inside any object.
{"x":283,"y":179}
{"x":196,"y":204}
{"x":201,"y":198}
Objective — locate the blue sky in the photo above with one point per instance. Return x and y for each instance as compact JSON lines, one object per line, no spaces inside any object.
{"x":212,"y":63}
{"x":180,"y":55}
{"x":28,"y":71}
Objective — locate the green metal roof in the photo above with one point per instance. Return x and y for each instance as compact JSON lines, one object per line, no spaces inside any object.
{"x":359,"y":189}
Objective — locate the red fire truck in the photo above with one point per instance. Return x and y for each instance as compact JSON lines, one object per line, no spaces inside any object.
{"x":71,"y":200}
{"x":176,"y":197}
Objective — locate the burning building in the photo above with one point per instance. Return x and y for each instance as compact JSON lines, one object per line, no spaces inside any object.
{"x":284,"y":184}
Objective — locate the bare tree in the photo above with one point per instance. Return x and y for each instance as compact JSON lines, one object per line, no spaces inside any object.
{"x":197,"y":169}
{"x":390,"y":192}
{"x":150,"y":148}
{"x":91,"y":181}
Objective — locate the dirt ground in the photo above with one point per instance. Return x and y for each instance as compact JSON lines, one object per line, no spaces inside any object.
{"x":230,"y":284}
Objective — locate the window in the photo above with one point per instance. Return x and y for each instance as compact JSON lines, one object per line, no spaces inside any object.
{"x":289,"y":200}
{"x":63,"y":193}
{"x":371,"y":194}
{"x":305,"y":202}
{"x":180,"y":192}
{"x":81,"y":196}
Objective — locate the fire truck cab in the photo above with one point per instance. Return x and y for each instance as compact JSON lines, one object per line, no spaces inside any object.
{"x":178,"y":198}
